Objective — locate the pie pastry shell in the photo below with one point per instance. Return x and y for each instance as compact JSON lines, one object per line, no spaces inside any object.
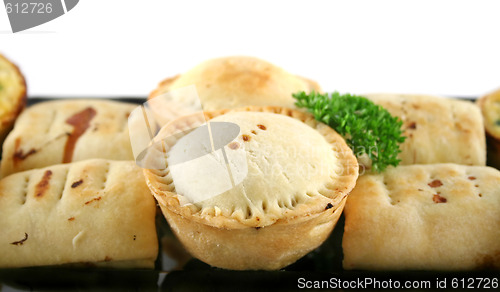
{"x":261,"y":240}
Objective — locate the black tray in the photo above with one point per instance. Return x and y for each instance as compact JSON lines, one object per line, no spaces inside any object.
{"x":175,"y":270}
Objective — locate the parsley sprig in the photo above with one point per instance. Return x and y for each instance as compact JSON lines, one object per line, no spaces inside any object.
{"x":367,"y":128}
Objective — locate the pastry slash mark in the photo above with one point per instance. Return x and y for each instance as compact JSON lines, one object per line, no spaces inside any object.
{"x":71,"y":218}
{"x":19,"y":154}
{"x":20,"y":242}
{"x":262,"y":127}
{"x":328,"y":206}
{"x":246,"y":138}
{"x":80,"y":122}
{"x":438,"y":199}
{"x":76,"y":183}
{"x":93,"y":200}
{"x":435,"y":183}
{"x":472,"y":178}
{"x":43,"y":185}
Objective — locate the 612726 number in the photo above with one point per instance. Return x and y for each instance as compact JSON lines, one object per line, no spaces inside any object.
{"x":474,"y":283}
{"x":29,"y":8}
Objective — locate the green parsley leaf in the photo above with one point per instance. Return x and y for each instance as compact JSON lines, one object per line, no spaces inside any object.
{"x":367,"y":128}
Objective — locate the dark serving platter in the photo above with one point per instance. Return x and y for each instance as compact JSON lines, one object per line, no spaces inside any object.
{"x":175,"y":270}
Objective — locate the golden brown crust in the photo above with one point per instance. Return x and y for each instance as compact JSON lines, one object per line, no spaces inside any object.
{"x":19,"y":99}
{"x":331,"y":194}
{"x":95,"y":211}
{"x":163,"y":86}
{"x":267,"y":248}
{"x":424,"y":217}
{"x":233,"y":82}
{"x":62,"y":131}
{"x":490,"y":109}
{"x":254,"y":242}
{"x":313,"y":85}
{"x":437,"y":130}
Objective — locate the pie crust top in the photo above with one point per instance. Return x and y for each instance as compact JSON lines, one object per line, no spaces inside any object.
{"x":237,"y":81}
{"x":297,"y":168}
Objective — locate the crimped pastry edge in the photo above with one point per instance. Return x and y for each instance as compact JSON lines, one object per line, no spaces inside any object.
{"x":313,"y":207}
{"x":269,"y":248}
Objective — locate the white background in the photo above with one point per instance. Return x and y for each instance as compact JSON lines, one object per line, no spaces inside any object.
{"x":124,"y":48}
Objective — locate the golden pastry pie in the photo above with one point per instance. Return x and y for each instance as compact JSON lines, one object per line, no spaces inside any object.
{"x":12,"y":95}
{"x":233,"y":82}
{"x":437,"y":129}
{"x":490,"y":108}
{"x":283,"y":197}
{"x":424,"y":217}
{"x":94,"y":211}
{"x":63,"y":131}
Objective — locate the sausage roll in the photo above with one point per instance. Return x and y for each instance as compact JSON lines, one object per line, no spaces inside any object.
{"x":67,"y":130}
{"x":424,"y":217}
{"x":437,"y":130}
{"x":92,"y":212}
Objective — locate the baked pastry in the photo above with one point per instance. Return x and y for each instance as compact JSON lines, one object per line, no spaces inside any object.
{"x":12,"y":95}
{"x":94,"y":211}
{"x":63,"y":131}
{"x":298,"y":174}
{"x":233,"y":82}
{"x":490,"y":108}
{"x":437,"y":130}
{"x":424,"y":217}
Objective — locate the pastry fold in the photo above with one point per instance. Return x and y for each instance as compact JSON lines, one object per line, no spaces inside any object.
{"x":424,"y":217}
{"x":63,"y":131}
{"x":93,"y":212}
{"x":437,"y":130}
